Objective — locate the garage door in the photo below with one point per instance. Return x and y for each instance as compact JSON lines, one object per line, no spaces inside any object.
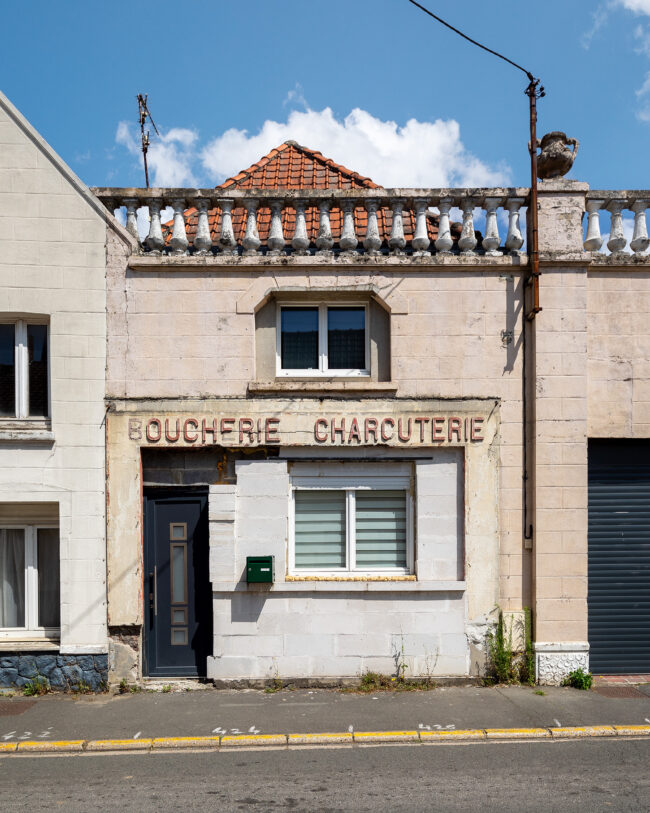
{"x":619,"y":556}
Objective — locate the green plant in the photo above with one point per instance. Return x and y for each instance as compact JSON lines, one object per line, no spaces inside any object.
{"x":82,"y":688}
{"x":540,"y":692}
{"x":579,"y":679}
{"x":166,"y":689}
{"x":125,"y":686}
{"x":35,"y":687}
{"x":276,"y":686}
{"x":502,"y":658}
{"x":527,"y":668}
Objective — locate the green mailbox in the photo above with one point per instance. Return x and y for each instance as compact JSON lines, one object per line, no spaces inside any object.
{"x":260,"y":569}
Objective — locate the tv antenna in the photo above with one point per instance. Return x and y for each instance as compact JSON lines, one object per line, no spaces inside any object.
{"x":143,"y":112}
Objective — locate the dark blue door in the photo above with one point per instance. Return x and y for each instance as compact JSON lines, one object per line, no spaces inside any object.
{"x":178,"y":605}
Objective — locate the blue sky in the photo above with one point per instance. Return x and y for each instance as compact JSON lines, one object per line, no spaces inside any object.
{"x":373,"y":84}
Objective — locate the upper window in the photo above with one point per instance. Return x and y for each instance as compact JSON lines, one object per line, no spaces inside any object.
{"x":322,"y":340}
{"x":24,"y":389}
{"x":358,"y":524}
{"x":29,"y":579}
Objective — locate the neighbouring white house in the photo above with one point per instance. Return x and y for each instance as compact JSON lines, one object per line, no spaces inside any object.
{"x":52,"y":429}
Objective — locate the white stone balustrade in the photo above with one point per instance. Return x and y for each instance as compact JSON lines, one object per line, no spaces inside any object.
{"x":398,"y":222}
{"x":623,"y":207}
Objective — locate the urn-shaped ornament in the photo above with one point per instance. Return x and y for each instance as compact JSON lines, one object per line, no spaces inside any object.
{"x":555,"y":158}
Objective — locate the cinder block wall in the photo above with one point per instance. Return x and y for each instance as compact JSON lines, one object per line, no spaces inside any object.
{"x":323,"y":632}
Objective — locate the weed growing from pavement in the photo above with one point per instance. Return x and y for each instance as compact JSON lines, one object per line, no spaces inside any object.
{"x":579,"y":679}
{"x":505,"y":665}
{"x":126,"y":687}
{"x":276,"y":686}
{"x":540,"y":693}
{"x":371,"y":682}
{"x":36,"y":687}
{"x":166,"y":688}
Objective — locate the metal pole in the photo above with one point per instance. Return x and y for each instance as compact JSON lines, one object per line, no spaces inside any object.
{"x":532,"y":92}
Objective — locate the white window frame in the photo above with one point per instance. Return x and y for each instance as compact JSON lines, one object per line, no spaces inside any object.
{"x":351,"y":485}
{"x":21,"y":367}
{"x":323,"y":369}
{"x":31,"y":628}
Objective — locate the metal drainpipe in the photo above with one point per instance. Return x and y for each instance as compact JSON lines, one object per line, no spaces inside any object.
{"x":533,"y":91}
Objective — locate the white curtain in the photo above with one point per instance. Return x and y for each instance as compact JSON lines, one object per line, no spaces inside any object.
{"x":12,"y":577}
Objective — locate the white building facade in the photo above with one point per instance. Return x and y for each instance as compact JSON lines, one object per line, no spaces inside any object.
{"x":52,"y":433}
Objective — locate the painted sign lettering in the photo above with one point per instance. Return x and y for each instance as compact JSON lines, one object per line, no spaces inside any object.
{"x":334,"y":430}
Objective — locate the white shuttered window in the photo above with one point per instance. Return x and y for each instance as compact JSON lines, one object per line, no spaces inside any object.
{"x":361,"y":527}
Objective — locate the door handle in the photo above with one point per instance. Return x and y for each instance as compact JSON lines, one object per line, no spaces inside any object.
{"x":153,"y":591}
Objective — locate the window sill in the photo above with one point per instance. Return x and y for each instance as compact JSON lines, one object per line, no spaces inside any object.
{"x":21,"y":430}
{"x":322,"y":385}
{"x":396,"y":584}
{"x":21,"y":645}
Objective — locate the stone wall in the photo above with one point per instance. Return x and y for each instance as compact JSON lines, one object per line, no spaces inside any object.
{"x":61,"y":672}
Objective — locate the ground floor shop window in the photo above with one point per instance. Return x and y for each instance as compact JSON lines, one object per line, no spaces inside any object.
{"x":29,"y":580}
{"x":363,"y":527}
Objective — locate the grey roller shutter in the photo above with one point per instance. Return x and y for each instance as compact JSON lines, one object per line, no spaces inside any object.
{"x":619,"y":556}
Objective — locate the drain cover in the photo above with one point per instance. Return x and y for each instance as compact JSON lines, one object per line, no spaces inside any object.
{"x":619,"y":691}
{"x":11,"y":708}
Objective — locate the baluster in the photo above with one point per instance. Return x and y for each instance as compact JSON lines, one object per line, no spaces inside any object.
{"x":227,"y":242}
{"x":617,"y":241}
{"x":420,"y":240}
{"x":251,"y":241}
{"x":514,"y":240}
{"x":276,"y":239}
{"x":372,"y":240}
{"x":348,"y":241}
{"x":640,"y":241}
{"x":202,"y":239}
{"x":325,"y":241}
{"x":467,"y":241}
{"x":491,"y":241}
{"x":444,"y":243}
{"x":593,"y":240}
{"x":300,"y":242}
{"x":154,"y":241}
{"x":179,"y":242}
{"x":397,"y":241}
{"x":132,"y":217}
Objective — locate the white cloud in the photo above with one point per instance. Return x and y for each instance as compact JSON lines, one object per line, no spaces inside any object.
{"x":643,"y":95}
{"x":170,"y":155}
{"x":416,"y":154}
{"x":637,"y":6}
{"x":296,"y":97}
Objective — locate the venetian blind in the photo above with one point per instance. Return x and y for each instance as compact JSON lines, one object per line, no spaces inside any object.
{"x":320,"y":529}
{"x":380,"y":529}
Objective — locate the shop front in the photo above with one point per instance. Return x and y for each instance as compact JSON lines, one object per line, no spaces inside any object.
{"x":303,"y":538}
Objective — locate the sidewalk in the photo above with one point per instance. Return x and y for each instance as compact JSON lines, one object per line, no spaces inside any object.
{"x":209,"y":712}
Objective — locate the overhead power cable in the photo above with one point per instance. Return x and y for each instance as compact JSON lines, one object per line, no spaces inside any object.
{"x":474,"y":42}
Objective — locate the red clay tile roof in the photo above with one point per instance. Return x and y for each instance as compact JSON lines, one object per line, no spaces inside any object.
{"x":291,"y":166}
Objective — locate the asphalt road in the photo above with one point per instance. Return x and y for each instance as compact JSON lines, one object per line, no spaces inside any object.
{"x":593,"y":775}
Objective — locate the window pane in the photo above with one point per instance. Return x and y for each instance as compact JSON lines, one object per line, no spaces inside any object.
{"x":12,"y":578}
{"x":179,"y":574}
{"x":346,"y":338}
{"x":299,"y":339}
{"x":49,"y":604}
{"x":320,"y":529}
{"x":381,"y":529}
{"x":7,"y":371}
{"x":37,"y":346}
